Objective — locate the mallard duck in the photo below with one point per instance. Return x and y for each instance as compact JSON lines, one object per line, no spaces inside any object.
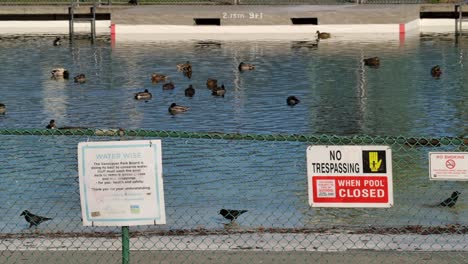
{"x":292,"y":100}
{"x":373,"y":62}
{"x":184,"y":67}
{"x":51,"y":124}
{"x":155,"y":77}
{"x":60,"y":72}
{"x":190,"y":91}
{"x":323,"y":35}
{"x":168,"y":86}
{"x":80,"y":78}
{"x":219,"y":91}
{"x":245,"y":66}
{"x":176,"y":109}
{"x":146,"y":95}
{"x":211,"y":83}
{"x":436,"y":71}
{"x":2,"y":109}
{"x":57,"y":41}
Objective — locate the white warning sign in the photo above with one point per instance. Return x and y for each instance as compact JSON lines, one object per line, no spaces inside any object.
{"x":451,"y":166}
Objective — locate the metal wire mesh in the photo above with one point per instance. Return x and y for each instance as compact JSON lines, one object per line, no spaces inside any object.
{"x":204,"y":172}
{"x":223,"y":2}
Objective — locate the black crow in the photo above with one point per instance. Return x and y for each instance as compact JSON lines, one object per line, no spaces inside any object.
{"x":231,"y":214}
{"x":450,"y":202}
{"x":33,"y":219}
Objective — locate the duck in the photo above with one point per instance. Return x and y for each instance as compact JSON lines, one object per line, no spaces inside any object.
{"x":51,"y":124}
{"x":436,"y":71}
{"x":323,"y":35}
{"x":373,"y":62}
{"x":211,"y":83}
{"x":219,"y":91}
{"x":176,"y":109}
{"x":60,"y":72}
{"x":80,"y":78}
{"x":156,"y":77}
{"x":145,"y":95}
{"x":184,"y":67}
{"x":246,"y":66}
{"x":292,"y":100}
{"x":168,"y":86}
{"x":190,"y":91}
{"x":57,"y":41}
{"x":2,"y":109}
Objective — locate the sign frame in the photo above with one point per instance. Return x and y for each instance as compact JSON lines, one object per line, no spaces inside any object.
{"x":443,"y":166}
{"x":121,"y":183}
{"x":329,"y":181}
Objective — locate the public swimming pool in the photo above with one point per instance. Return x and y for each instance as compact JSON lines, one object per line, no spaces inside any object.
{"x":339,"y":96}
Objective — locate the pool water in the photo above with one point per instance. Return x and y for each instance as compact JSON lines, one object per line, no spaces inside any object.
{"x":338,"y":95}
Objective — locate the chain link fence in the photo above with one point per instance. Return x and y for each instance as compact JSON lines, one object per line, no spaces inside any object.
{"x":223,"y":2}
{"x":205,"y":172}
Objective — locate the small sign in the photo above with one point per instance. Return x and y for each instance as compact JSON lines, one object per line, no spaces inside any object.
{"x":121,"y":183}
{"x":452,"y":166}
{"x":350,"y":176}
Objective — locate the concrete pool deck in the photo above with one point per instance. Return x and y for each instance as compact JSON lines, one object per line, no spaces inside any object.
{"x":283,"y":21}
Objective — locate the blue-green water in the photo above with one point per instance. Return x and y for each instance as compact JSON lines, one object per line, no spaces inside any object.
{"x":339,"y":96}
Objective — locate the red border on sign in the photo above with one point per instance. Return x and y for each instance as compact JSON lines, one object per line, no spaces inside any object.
{"x":354,"y":189}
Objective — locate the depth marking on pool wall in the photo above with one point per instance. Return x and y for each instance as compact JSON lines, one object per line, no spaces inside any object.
{"x":248,"y":15}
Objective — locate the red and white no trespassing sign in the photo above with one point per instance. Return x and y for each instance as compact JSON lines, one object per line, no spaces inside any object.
{"x":350,"y":176}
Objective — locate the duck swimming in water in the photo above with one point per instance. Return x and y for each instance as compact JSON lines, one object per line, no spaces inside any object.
{"x":190,"y":91}
{"x":373,"y":62}
{"x":177,"y":109}
{"x":292,"y":100}
{"x":51,"y":124}
{"x":245,"y":66}
{"x":436,"y":71}
{"x":60,"y":72}
{"x":80,"y":78}
{"x":211,"y":83}
{"x":323,"y":35}
{"x":57,"y":41}
{"x":168,"y":86}
{"x":2,"y":109}
{"x":183,"y":67}
{"x":186,"y":69}
{"x":219,"y":91}
{"x":145,"y":95}
{"x":155,"y":77}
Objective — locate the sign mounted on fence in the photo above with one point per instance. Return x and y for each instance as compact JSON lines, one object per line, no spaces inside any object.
{"x":121,"y":183}
{"x":452,"y":166}
{"x":350,"y":176}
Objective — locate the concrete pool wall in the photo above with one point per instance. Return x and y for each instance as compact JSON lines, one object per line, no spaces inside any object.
{"x":155,"y":22}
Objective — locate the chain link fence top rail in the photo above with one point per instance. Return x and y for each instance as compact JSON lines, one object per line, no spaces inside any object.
{"x":204,"y":172}
{"x":225,"y":2}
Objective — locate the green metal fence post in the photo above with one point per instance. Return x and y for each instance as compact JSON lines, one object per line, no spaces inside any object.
{"x":125,"y":245}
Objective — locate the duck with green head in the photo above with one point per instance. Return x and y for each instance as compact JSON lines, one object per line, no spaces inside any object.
{"x":177,"y":109}
{"x":145,"y":95}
